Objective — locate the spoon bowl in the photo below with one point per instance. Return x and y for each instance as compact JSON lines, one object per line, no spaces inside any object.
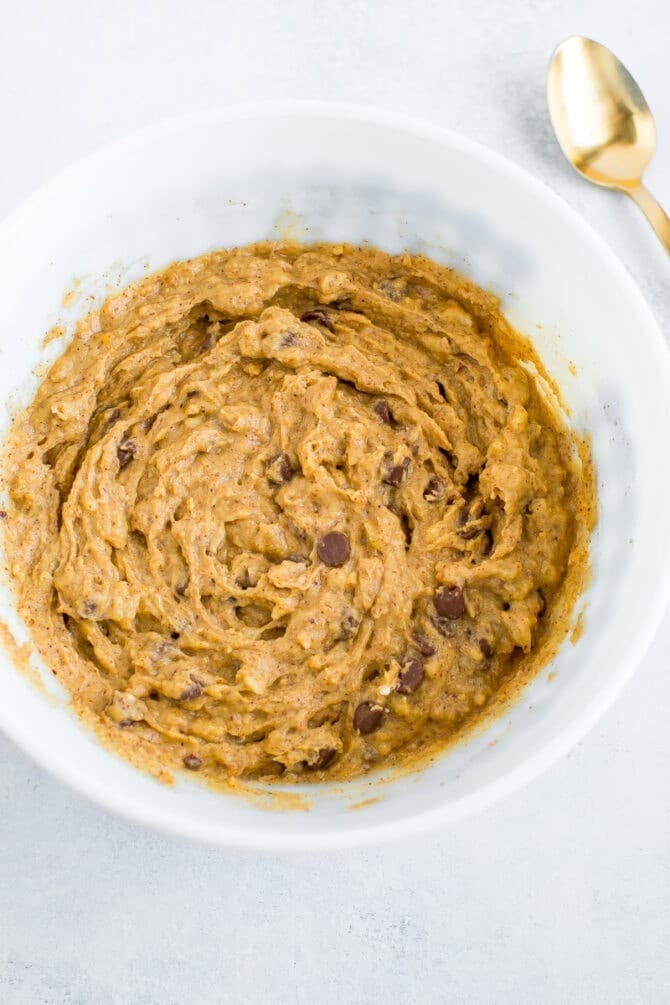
{"x":603,"y":123}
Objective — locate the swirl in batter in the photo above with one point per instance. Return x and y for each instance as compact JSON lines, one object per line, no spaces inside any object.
{"x":294,"y":512}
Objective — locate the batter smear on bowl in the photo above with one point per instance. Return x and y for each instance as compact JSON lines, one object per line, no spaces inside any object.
{"x":295,"y":512}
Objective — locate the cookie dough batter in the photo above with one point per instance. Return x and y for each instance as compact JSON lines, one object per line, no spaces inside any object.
{"x":291,"y":512}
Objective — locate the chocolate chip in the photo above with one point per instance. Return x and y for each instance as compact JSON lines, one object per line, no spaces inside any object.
{"x":334,"y":549}
{"x":395,"y":509}
{"x":194,"y":691}
{"x":279,"y":469}
{"x":323,"y":759}
{"x":126,"y":450}
{"x":192,"y":762}
{"x":450,"y":603}
{"x":434,"y":489}
{"x":382,"y":411}
{"x":174,"y":635}
{"x":486,"y":648}
{"x":423,"y":644}
{"x":368,"y":717}
{"x":348,"y":628}
{"x":397,"y":474}
{"x":469,"y":534}
{"x":410,"y":677}
{"x":319,"y":317}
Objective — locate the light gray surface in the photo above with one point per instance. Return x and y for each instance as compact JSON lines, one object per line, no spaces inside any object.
{"x":559,"y":895}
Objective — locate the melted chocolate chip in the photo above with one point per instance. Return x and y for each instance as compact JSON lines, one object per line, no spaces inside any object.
{"x":368,"y":717}
{"x":423,"y":644}
{"x":410,"y":678}
{"x":334,"y":549}
{"x":450,"y":603}
{"x":397,"y":474}
{"x":318,"y":316}
{"x":323,"y":759}
{"x":126,"y":451}
{"x":382,"y":411}
{"x":192,"y":762}
{"x":434,"y":489}
{"x":444,"y":626}
{"x":279,"y":469}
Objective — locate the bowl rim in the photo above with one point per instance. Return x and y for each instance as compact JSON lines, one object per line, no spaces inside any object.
{"x":217,"y":832}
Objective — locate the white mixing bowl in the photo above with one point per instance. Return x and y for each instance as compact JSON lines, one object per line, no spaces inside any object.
{"x":335,"y":173}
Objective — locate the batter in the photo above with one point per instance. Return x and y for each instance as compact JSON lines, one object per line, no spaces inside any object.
{"x":288,"y":513}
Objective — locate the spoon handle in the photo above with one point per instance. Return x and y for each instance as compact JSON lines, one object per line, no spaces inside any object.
{"x":656,"y":215}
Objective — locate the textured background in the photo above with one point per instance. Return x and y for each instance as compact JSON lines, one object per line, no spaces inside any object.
{"x":561,"y":894}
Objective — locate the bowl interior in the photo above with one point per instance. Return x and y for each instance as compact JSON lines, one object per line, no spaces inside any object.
{"x":335,"y":174}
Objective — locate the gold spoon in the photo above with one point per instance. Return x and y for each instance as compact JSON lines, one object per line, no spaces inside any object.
{"x":603,"y":123}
